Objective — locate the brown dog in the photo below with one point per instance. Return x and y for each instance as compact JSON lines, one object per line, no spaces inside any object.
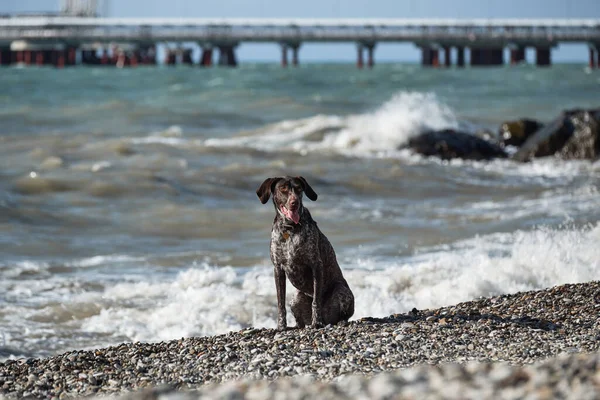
{"x":300,"y":251}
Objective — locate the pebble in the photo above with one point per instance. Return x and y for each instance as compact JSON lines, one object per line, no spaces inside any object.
{"x":532,"y":344}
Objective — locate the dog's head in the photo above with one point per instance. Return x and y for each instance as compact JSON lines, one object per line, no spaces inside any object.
{"x":287,"y":195}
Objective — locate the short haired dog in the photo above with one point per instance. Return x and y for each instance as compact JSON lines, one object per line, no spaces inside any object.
{"x":303,"y":254}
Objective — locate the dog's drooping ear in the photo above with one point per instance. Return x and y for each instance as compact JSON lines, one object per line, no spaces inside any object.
{"x":266,"y":188}
{"x":310,"y":193}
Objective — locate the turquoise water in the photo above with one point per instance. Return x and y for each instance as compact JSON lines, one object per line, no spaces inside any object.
{"x":135,"y":101}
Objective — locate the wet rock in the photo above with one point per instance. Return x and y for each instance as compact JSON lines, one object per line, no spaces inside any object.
{"x":584,"y":144}
{"x":449,"y":144}
{"x":515,"y":133}
{"x":574,"y":134}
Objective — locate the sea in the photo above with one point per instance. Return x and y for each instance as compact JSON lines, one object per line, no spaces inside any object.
{"x":128,"y":209}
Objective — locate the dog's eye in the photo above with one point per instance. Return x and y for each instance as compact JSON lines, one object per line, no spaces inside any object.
{"x":283,"y":189}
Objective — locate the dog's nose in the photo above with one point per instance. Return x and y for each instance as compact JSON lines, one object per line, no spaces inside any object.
{"x":293,"y":202}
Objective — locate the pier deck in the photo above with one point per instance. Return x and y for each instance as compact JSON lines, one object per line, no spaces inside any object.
{"x":485,"y":38}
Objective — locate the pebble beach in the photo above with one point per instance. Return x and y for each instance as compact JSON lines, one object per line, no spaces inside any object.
{"x":536,"y":344}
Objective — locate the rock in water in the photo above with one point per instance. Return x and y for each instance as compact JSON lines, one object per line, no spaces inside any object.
{"x":573,"y":135}
{"x":515,"y":133}
{"x":584,"y":144}
{"x":448,"y":144}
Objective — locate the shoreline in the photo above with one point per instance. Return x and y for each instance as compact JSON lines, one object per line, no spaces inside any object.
{"x":516,"y":329}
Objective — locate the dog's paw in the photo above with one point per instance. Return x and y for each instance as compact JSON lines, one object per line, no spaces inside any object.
{"x":316,"y":325}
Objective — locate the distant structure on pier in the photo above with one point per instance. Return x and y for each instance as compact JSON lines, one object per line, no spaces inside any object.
{"x":79,"y":8}
{"x":78,"y":35}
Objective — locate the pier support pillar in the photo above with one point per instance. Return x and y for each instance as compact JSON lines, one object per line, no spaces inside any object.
{"x":41,"y":57}
{"x":27,"y":57}
{"x":5,"y":56}
{"x":48,"y":57}
{"x":38,"y":57}
{"x":133,"y":58}
{"x":370,"y":56}
{"x":360,"y":47}
{"x":517,"y":55}
{"x":359,"y":60}
{"x":206,"y":58}
{"x":148,"y":55}
{"x":104,"y":57}
{"x":71,"y":58}
{"x":426,"y":56}
{"x":491,"y":57}
{"x":460,"y":56}
{"x":435,"y":57}
{"x":430,"y":57}
{"x":359,"y":56}
{"x":447,"y":59}
{"x":170,"y":57}
{"x":59,"y":58}
{"x":476,"y":57}
{"x":186,"y":57}
{"x":295,"y":49}
{"x":496,"y":56}
{"x":89,"y":57}
{"x":542,"y":57}
{"x":284,"y":55}
{"x":86,"y":57}
{"x":594,"y":61}
{"x":482,"y":56}
{"x":227,"y":56}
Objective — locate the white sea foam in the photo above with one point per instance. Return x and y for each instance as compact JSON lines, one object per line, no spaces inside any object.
{"x":210,"y":300}
{"x":405,"y":115}
{"x":540,"y":170}
{"x":172,"y":136}
{"x":102,"y":260}
{"x":483,"y":266}
{"x":157,"y":139}
{"x":23,"y":268}
{"x":199,"y":301}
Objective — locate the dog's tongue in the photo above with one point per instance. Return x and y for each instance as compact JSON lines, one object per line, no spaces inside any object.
{"x":293,"y":215}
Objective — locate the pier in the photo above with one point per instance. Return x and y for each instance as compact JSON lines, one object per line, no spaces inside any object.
{"x":65,"y":41}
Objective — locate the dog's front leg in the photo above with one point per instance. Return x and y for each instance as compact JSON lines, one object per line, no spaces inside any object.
{"x":317,"y":315}
{"x":280,"y":287}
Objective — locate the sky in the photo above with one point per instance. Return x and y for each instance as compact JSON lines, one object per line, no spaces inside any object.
{"x":389,"y":52}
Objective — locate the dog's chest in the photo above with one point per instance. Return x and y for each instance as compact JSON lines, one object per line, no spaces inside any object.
{"x":284,"y":246}
{"x":289,"y":251}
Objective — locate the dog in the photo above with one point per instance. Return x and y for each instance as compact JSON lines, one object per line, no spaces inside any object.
{"x":303,"y":254}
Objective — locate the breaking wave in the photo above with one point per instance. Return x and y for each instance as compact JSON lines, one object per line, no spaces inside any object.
{"x":402,"y":117}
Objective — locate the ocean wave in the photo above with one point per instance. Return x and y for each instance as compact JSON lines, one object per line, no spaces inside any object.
{"x":391,"y":125}
{"x":54,"y":313}
{"x":211,"y":300}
